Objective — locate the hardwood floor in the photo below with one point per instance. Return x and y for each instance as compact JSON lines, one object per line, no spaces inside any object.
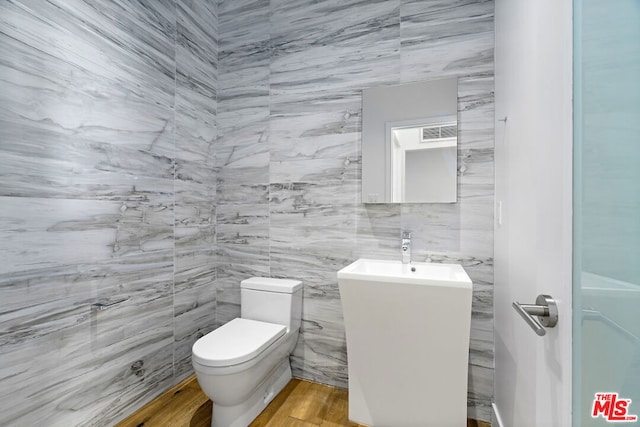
{"x":184,"y":405}
{"x":299,"y":404}
{"x":306,"y":404}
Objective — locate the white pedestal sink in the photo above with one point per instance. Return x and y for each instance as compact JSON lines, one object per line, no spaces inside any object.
{"x":407,"y":329}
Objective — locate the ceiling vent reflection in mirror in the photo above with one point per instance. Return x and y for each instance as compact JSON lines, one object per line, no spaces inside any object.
{"x":439,"y":132}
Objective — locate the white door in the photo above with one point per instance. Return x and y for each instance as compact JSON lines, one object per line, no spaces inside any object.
{"x":533,"y":167}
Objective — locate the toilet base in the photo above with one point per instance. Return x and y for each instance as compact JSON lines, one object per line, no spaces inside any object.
{"x":243,"y":414}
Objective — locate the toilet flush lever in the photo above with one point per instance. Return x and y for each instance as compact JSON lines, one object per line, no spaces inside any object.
{"x":545,"y":309}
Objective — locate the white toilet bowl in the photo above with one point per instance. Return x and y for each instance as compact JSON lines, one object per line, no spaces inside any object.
{"x":243,"y":364}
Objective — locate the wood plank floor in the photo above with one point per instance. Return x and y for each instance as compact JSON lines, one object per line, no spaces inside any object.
{"x":184,"y":405}
{"x":299,"y":404}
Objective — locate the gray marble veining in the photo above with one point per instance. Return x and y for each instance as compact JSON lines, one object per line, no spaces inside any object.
{"x":107,"y":193}
{"x":320,"y":56}
{"x":162,"y":152}
{"x":196,"y":88}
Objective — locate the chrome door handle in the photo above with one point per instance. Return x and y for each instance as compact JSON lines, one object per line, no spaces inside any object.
{"x":545,"y":309}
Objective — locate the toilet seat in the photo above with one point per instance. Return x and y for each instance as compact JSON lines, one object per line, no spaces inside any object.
{"x":236,"y":342}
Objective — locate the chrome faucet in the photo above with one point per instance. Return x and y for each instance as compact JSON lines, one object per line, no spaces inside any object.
{"x":406,"y":247}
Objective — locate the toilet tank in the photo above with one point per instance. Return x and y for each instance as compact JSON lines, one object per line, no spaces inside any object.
{"x":272,"y":300}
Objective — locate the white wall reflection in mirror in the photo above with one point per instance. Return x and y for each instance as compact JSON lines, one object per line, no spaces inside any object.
{"x":423,"y":160}
{"x":409,"y":143}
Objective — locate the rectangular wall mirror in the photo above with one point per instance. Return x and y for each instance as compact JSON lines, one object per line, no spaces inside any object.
{"x":410,"y":143}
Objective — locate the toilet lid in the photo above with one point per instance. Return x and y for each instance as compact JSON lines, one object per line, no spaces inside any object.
{"x":236,"y":342}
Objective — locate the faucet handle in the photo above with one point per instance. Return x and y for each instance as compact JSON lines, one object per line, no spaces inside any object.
{"x":406,"y":234}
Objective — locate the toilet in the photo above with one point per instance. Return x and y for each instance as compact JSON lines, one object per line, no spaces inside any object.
{"x":244,"y":364}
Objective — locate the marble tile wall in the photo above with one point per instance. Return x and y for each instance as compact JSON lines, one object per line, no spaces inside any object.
{"x":107,"y":192}
{"x":143,"y":158}
{"x":194,"y":178}
{"x":288,"y":157}
{"x":242,"y":150}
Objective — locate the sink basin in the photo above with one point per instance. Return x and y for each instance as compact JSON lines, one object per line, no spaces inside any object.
{"x":418,"y":273}
{"x":407,"y":328}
